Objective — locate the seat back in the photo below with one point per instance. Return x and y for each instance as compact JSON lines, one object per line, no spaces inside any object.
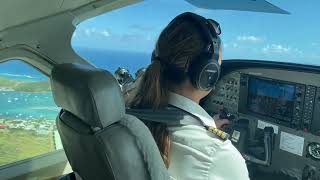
{"x":100,"y":140}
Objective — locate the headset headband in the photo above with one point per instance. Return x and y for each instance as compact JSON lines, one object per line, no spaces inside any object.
{"x":205,"y":71}
{"x":210,"y":28}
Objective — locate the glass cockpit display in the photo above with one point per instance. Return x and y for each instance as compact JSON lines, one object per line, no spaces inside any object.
{"x":271,"y":98}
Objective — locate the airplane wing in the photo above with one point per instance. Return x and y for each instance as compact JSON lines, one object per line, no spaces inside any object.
{"x":240,"y":5}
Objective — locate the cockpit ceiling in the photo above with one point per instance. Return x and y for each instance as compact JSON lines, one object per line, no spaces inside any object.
{"x":18,"y":12}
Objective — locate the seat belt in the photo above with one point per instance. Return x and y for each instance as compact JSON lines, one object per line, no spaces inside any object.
{"x":173,"y":117}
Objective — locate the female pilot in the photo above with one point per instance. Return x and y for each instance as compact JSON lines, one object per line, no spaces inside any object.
{"x":185,"y":66}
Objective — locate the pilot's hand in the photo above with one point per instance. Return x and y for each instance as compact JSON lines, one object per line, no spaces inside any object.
{"x":221,"y":123}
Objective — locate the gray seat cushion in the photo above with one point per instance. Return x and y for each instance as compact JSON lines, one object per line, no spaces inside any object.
{"x":91,"y":94}
{"x":100,"y":140}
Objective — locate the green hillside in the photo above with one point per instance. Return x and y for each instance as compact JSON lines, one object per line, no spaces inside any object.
{"x":22,"y":86}
{"x":18,"y":145}
{"x":6,"y":82}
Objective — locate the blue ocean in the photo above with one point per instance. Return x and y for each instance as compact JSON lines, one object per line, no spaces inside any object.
{"x":40,"y":105}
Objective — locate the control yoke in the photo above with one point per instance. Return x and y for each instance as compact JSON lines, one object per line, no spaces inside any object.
{"x":268,"y":142}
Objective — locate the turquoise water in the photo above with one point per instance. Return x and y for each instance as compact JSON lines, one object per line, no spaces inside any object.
{"x":24,"y":105}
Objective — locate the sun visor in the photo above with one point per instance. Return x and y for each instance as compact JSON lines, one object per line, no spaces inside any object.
{"x":240,"y":5}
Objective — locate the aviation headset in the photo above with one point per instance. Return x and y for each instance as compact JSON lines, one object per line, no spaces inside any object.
{"x":204,"y":71}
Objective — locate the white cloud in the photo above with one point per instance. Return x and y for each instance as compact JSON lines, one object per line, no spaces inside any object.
{"x":87,"y":32}
{"x":250,"y":39}
{"x":91,"y":33}
{"x":276,"y":48}
{"x":234,"y":45}
{"x":105,"y":33}
{"x":231,"y":45}
{"x":280,"y":49}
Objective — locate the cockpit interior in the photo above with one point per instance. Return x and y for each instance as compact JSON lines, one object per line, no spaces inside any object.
{"x":274,"y":110}
{"x":273,"y":106}
{"x":283,"y":97}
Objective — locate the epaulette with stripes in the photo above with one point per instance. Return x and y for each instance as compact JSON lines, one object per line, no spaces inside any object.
{"x":222,"y":135}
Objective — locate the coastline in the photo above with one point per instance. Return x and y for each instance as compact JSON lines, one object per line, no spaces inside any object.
{"x":8,"y":84}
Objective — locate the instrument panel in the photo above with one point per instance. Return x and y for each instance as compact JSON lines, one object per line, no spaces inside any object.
{"x":274,"y":110}
{"x":286,"y":100}
{"x":292,"y":104}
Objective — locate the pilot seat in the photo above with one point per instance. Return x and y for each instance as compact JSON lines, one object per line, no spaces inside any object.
{"x":100,"y":140}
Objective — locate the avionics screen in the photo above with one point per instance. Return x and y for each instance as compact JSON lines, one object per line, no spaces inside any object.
{"x":271,"y":98}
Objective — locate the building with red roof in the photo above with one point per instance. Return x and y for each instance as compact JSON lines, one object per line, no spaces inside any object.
{"x":3,"y":126}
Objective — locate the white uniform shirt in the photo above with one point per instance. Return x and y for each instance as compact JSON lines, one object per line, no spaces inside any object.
{"x":197,"y":154}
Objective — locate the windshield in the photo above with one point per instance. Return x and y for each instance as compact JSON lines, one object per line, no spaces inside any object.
{"x":133,"y":31}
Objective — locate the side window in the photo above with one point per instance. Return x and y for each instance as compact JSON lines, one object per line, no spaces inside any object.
{"x":27,"y":113}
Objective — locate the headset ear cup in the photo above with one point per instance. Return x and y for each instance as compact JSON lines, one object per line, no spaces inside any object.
{"x":204,"y":73}
{"x":209,"y":76}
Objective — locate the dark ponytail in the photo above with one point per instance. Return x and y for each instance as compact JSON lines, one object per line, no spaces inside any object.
{"x":153,"y":93}
{"x":178,"y":45}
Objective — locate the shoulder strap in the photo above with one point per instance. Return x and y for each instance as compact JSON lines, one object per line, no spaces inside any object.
{"x":173,"y":117}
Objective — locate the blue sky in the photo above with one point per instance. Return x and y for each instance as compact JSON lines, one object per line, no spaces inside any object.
{"x":245,"y":35}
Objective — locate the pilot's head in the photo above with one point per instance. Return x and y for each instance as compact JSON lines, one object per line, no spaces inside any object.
{"x":186,"y":58}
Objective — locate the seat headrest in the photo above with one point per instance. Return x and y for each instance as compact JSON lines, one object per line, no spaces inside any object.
{"x":91,"y":94}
